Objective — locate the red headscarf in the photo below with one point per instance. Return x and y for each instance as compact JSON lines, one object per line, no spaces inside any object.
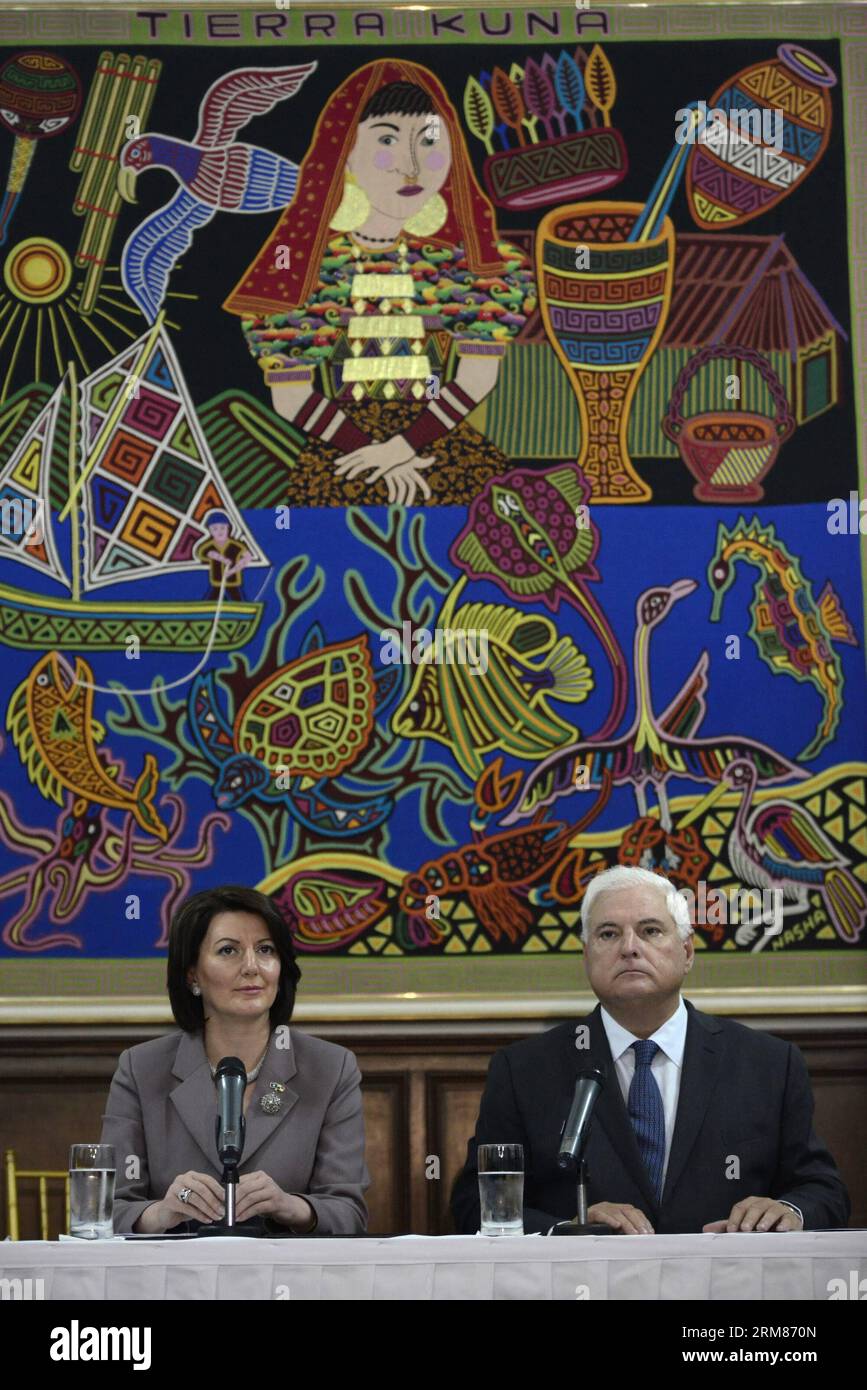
{"x":304,"y":226}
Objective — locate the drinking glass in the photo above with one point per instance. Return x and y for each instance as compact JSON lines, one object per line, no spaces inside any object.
{"x":91,"y":1190}
{"x":501,"y":1189}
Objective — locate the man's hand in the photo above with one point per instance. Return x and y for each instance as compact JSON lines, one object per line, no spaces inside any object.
{"x":758,"y":1214}
{"x":622,"y":1217}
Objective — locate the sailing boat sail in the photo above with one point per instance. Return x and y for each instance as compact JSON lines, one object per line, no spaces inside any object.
{"x":142,"y":485}
{"x":24,"y":492}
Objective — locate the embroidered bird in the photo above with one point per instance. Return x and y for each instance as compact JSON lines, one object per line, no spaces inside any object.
{"x":778,"y":844}
{"x":656,"y":748}
{"x":216,"y":173}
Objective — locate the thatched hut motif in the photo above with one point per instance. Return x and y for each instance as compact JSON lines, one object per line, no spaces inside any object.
{"x":744,"y":290}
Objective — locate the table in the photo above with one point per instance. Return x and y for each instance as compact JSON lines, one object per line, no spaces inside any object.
{"x":796,"y":1266}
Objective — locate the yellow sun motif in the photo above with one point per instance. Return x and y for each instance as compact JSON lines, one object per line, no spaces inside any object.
{"x":41,"y":315}
{"x":37,"y":270}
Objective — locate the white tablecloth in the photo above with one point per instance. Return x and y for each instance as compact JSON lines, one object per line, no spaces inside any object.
{"x":796,"y":1266}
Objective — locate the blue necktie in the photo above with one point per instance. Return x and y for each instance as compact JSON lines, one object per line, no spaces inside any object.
{"x":646,"y":1113}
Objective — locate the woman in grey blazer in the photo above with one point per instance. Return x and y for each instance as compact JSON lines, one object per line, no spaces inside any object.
{"x":231,"y":982}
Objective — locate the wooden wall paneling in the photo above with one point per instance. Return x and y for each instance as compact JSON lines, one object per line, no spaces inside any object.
{"x":386,"y":1123}
{"x":452,"y":1109}
{"x":838,"y":1075}
{"x":421,"y":1090}
{"x":47,"y":1104}
{"x":418,"y":1147}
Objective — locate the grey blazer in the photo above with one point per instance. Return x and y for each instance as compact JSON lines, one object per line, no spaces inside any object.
{"x":161,"y":1110}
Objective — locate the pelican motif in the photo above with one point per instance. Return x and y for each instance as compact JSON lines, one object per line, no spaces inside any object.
{"x":779,"y":845}
{"x":653,"y":749}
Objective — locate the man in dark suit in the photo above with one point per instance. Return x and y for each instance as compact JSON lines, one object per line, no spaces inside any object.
{"x":703,"y":1124}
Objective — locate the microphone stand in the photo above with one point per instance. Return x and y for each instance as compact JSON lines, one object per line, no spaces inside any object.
{"x":580,"y":1226}
{"x":231,"y":1227}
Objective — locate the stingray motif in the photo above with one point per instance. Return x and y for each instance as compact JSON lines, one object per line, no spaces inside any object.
{"x":531,"y":534}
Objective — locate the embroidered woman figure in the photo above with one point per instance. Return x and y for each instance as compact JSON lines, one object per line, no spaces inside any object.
{"x":381,"y":306}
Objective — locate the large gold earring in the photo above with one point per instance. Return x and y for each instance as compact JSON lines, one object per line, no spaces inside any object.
{"x":354,"y":208}
{"x":429,"y":218}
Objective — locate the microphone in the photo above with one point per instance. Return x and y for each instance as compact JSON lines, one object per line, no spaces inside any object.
{"x":588,"y":1088}
{"x":231,"y":1081}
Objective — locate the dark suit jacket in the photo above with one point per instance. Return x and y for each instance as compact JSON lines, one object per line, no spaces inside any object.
{"x":742,"y":1093}
{"x":161,"y":1110}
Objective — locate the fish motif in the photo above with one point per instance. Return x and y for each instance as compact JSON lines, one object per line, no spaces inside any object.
{"x":326,"y":911}
{"x":505,"y":707}
{"x":50,"y":718}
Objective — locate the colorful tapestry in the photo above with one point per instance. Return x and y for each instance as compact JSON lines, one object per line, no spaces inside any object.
{"x":429,"y":475}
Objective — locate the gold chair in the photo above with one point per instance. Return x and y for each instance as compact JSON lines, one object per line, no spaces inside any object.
{"x":12,"y":1176}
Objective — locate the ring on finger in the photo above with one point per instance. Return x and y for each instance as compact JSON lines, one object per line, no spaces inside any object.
{"x":185,"y":1194}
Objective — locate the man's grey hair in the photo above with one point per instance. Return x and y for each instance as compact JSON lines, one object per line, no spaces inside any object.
{"x":623,"y":877}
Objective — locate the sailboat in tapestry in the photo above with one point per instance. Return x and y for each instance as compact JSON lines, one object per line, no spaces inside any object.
{"x":142,"y":485}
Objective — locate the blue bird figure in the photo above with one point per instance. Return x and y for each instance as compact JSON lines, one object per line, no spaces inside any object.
{"x":215,"y":173}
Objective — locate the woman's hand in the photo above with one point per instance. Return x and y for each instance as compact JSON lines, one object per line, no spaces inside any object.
{"x":205,"y":1201}
{"x":396,"y":461}
{"x":403,"y":481}
{"x":379,"y":457}
{"x":259,"y":1195}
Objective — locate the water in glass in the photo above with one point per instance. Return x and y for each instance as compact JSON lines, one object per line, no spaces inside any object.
{"x":91,"y":1194}
{"x":502,"y":1202}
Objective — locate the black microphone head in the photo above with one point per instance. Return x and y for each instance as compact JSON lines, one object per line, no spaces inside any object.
{"x":231,"y":1066}
{"x":593,"y":1074}
{"x":231,"y":1079}
{"x":589,"y":1084}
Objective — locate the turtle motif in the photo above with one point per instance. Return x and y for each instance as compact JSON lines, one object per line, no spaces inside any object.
{"x":297,"y":730}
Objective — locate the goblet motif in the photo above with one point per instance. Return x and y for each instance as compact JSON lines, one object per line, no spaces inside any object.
{"x":604,"y":303}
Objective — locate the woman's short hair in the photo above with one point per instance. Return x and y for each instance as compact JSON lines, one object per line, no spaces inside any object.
{"x":622,"y":876}
{"x":187,"y":932}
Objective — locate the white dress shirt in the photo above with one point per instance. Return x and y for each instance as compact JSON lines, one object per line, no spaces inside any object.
{"x":667,"y":1065}
{"x":667,"y":1069}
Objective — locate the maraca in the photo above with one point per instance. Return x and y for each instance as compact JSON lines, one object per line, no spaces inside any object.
{"x":40,"y":96}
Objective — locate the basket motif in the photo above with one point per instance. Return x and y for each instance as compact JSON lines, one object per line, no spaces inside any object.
{"x":728,"y":452}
